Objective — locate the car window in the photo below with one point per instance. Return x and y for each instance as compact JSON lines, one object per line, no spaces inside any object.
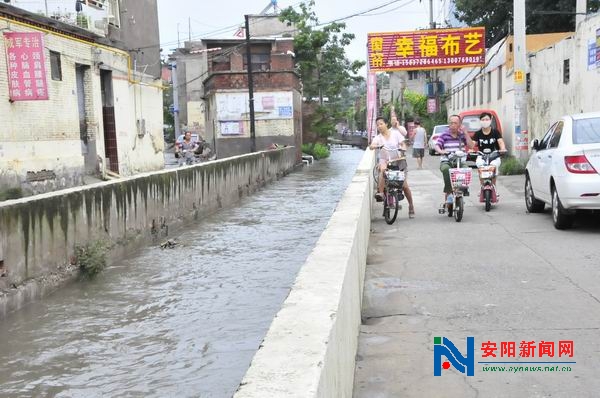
{"x":471,"y":123}
{"x":440,"y":129}
{"x":547,"y":136}
{"x":586,"y":131}
{"x":556,"y":136}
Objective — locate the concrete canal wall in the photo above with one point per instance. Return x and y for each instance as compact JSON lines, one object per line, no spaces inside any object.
{"x":310,"y":348}
{"x":39,"y":234}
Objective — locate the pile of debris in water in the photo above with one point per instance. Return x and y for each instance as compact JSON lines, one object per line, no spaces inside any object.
{"x":169,"y":244}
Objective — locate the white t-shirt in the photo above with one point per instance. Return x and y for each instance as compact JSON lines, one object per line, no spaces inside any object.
{"x":400,"y":129}
{"x":419,"y":139}
{"x":390,"y":144}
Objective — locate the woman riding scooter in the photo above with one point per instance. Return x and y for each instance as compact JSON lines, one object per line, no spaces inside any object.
{"x":488,"y":138}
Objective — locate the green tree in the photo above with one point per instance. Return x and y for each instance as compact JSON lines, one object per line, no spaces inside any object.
{"x":169,"y":119}
{"x":496,"y":16}
{"x":322,"y":64}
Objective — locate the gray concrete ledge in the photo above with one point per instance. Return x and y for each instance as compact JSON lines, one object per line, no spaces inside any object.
{"x":309,"y":350}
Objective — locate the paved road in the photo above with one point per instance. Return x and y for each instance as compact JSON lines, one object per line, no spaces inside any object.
{"x":503,"y":276}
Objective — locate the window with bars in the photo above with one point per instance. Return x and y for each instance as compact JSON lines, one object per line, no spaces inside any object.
{"x":55,"y":67}
{"x":566,"y":71}
{"x":260,"y":57}
{"x":500,"y":82}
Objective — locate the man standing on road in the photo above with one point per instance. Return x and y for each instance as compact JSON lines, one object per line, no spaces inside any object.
{"x":419,"y":143}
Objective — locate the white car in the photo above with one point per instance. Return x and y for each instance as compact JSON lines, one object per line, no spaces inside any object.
{"x":563,"y":170}
{"x":437,"y":131}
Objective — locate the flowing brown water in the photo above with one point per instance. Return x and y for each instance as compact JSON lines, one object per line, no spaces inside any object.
{"x":181,"y":322}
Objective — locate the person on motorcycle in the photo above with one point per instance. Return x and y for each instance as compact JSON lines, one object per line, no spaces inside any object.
{"x":391,"y":141}
{"x":488,"y":137}
{"x":185,"y":149}
{"x":451,"y":141}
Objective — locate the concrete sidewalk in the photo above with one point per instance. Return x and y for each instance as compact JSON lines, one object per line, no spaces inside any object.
{"x":497,"y":276}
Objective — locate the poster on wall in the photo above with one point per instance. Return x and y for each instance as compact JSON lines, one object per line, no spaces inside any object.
{"x":26,"y":66}
{"x":598,"y":48}
{"x":267,"y":105}
{"x":231,"y":128}
{"x":591,"y":64}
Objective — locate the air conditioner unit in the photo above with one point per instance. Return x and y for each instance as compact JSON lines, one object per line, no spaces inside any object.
{"x":101,"y":24}
{"x":97,"y":4}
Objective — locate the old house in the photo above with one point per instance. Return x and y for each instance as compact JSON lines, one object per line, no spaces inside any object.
{"x":80,"y":96}
{"x":212,"y":88}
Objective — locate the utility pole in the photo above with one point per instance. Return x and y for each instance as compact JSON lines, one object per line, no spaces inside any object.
{"x":434,"y":73}
{"x":319,"y":60}
{"x":521,"y":141}
{"x":250,"y":88}
{"x":46,"y":4}
{"x":175,"y":99}
{"x":580,"y":11}
{"x":190,"y":30}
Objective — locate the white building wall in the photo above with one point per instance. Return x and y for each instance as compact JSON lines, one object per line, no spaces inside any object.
{"x":139,"y":119}
{"x":43,"y":136}
{"x":549,"y":97}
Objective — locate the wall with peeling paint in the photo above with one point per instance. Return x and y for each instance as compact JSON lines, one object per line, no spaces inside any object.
{"x":38,"y":234}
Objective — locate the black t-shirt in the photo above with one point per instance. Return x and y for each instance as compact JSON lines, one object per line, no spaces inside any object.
{"x":487,"y":141}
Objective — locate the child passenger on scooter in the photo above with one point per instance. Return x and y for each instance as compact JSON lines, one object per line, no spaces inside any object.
{"x":488,"y":138}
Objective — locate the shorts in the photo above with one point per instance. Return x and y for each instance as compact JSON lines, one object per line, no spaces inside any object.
{"x":418,"y":152}
{"x":496,"y":162}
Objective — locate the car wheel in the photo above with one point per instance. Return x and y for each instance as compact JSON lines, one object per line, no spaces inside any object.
{"x":561,"y":218}
{"x":533,"y":205}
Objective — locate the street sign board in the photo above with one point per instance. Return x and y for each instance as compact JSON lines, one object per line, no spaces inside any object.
{"x":426,"y":49}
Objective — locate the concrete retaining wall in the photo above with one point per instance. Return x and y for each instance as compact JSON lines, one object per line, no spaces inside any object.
{"x":39,"y":234}
{"x":310,"y":348}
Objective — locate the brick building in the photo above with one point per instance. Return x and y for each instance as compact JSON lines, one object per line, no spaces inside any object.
{"x":213,"y":90}
{"x":96,"y":111}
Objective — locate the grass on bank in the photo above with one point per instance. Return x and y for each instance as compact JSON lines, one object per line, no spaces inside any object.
{"x":319,"y":151}
{"x":511,"y":166}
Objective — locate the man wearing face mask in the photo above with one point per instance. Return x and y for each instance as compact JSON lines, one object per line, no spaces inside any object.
{"x":490,"y":138}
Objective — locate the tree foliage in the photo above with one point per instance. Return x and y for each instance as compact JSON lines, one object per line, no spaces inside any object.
{"x":322,"y":64}
{"x":497,"y":16}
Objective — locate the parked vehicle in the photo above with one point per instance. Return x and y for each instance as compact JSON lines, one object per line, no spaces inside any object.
{"x":460,"y":178}
{"x":435,"y":133}
{"x":471,"y":123}
{"x":487,"y":173}
{"x":563,"y":170}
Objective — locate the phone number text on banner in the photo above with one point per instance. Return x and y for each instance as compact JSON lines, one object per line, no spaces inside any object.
{"x":426,"y":49}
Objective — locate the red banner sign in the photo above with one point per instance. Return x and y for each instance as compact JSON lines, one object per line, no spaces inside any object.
{"x":371,"y":104}
{"x":426,"y":49}
{"x":26,"y":66}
